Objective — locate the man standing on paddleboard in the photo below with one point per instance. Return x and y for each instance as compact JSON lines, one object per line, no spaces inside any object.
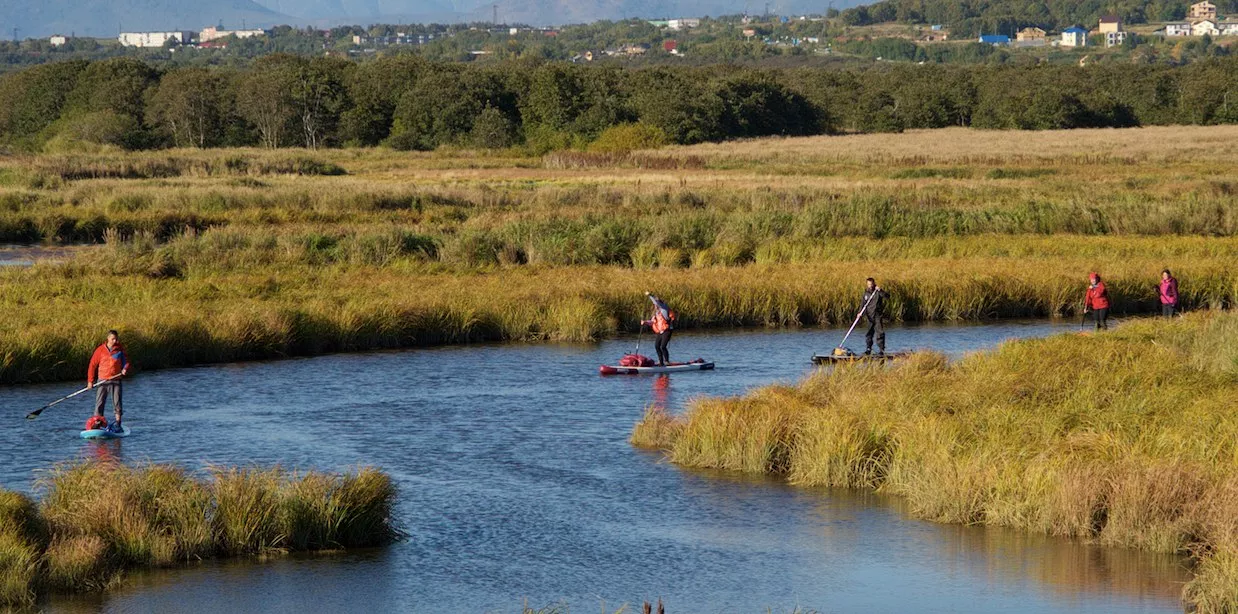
{"x":874,"y":303}
{"x":107,"y":366}
{"x":662,"y":323}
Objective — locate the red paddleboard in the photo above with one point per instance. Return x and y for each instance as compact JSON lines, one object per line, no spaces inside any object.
{"x":696,"y":365}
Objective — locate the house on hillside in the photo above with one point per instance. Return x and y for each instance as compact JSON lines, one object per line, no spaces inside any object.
{"x":1202,"y":10}
{"x":1229,"y":28}
{"x":1111,"y":27}
{"x":997,"y":40}
{"x":154,"y":39}
{"x":58,"y":40}
{"x":1030,"y":34}
{"x":1206,"y":27}
{"x":1181,"y":28}
{"x":1074,"y":36}
{"x":683,"y":24}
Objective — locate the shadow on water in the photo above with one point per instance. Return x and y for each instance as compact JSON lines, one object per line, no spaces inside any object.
{"x":517,"y":483}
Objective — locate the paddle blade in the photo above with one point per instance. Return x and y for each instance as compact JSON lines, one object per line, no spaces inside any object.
{"x":35,"y":414}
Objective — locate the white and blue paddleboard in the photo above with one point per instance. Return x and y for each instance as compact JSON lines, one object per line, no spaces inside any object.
{"x":105,"y":433}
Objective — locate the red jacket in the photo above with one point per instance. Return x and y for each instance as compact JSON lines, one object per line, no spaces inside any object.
{"x":1097,"y":297}
{"x":1169,"y":291}
{"x":106,"y":364}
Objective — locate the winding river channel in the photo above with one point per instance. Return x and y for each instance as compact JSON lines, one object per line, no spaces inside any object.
{"x":518,"y":487}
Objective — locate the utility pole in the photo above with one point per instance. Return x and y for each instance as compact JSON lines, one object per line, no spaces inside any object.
{"x":15,"y":30}
{"x":495,"y":18}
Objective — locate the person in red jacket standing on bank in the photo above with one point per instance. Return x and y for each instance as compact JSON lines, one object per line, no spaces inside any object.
{"x":1169,"y":294}
{"x":1096,"y":301}
{"x":107,"y":366}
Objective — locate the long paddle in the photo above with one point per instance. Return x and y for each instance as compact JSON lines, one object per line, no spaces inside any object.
{"x":857,"y":319}
{"x":35,"y":414}
{"x":638,"y":336}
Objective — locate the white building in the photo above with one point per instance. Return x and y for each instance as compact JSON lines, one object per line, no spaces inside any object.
{"x":1074,"y":37}
{"x":154,"y":39}
{"x":58,"y":40}
{"x":215,"y":32}
{"x":1178,"y":29}
{"x":1113,"y":39}
{"x":1228,"y":29}
{"x":1206,"y":27}
{"x":683,"y":24}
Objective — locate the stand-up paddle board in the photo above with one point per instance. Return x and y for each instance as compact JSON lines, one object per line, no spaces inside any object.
{"x":832,"y":359}
{"x":105,"y":433}
{"x":675,"y":367}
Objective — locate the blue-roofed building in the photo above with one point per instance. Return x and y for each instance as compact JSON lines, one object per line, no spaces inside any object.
{"x":996,"y":40}
{"x":1074,"y":37}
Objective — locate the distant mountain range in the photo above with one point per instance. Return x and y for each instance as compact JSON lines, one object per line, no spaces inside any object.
{"x":105,"y":18}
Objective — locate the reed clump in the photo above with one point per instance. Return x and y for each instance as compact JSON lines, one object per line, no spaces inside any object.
{"x":1126,"y":438}
{"x":96,"y":520}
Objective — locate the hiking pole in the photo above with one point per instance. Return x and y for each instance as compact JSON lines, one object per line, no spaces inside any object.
{"x":857,"y":319}
{"x":35,"y":414}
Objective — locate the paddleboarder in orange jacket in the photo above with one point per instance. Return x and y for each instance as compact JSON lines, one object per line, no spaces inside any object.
{"x":108,"y":364}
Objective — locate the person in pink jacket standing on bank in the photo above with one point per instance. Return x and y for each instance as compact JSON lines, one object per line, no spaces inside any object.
{"x":1169,"y":294}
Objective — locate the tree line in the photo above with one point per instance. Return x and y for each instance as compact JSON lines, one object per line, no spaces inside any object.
{"x":409,"y":103}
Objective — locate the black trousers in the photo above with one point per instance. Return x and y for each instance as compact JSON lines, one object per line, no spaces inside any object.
{"x":102,"y":391}
{"x":659,"y":344}
{"x":1168,"y":310}
{"x":876,"y":330}
{"x":1102,"y":317}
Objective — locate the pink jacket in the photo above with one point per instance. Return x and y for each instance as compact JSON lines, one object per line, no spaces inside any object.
{"x":1169,"y":291}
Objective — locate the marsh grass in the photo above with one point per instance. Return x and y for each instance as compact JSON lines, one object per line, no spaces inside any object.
{"x":227,"y":255}
{"x":21,"y":538}
{"x":194,"y":303}
{"x":1125,"y":438}
{"x":96,"y":520}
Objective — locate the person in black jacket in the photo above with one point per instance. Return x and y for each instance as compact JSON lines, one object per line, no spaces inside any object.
{"x":874,"y":311}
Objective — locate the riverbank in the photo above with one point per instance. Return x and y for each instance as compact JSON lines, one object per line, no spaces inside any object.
{"x":95,"y":521}
{"x":222,"y":306}
{"x":1125,"y":438}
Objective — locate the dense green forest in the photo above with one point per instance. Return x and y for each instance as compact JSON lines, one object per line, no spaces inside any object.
{"x":410,"y":103}
{"x":969,"y":18}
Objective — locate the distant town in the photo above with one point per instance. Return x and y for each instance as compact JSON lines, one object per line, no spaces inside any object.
{"x":786,"y":39}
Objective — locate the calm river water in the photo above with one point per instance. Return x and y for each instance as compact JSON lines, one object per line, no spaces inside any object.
{"x":518,"y":487}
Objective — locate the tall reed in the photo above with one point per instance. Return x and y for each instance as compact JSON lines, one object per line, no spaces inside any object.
{"x":96,"y":520}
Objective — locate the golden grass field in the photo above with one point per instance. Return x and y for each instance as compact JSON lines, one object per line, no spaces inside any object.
{"x":217,"y":255}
